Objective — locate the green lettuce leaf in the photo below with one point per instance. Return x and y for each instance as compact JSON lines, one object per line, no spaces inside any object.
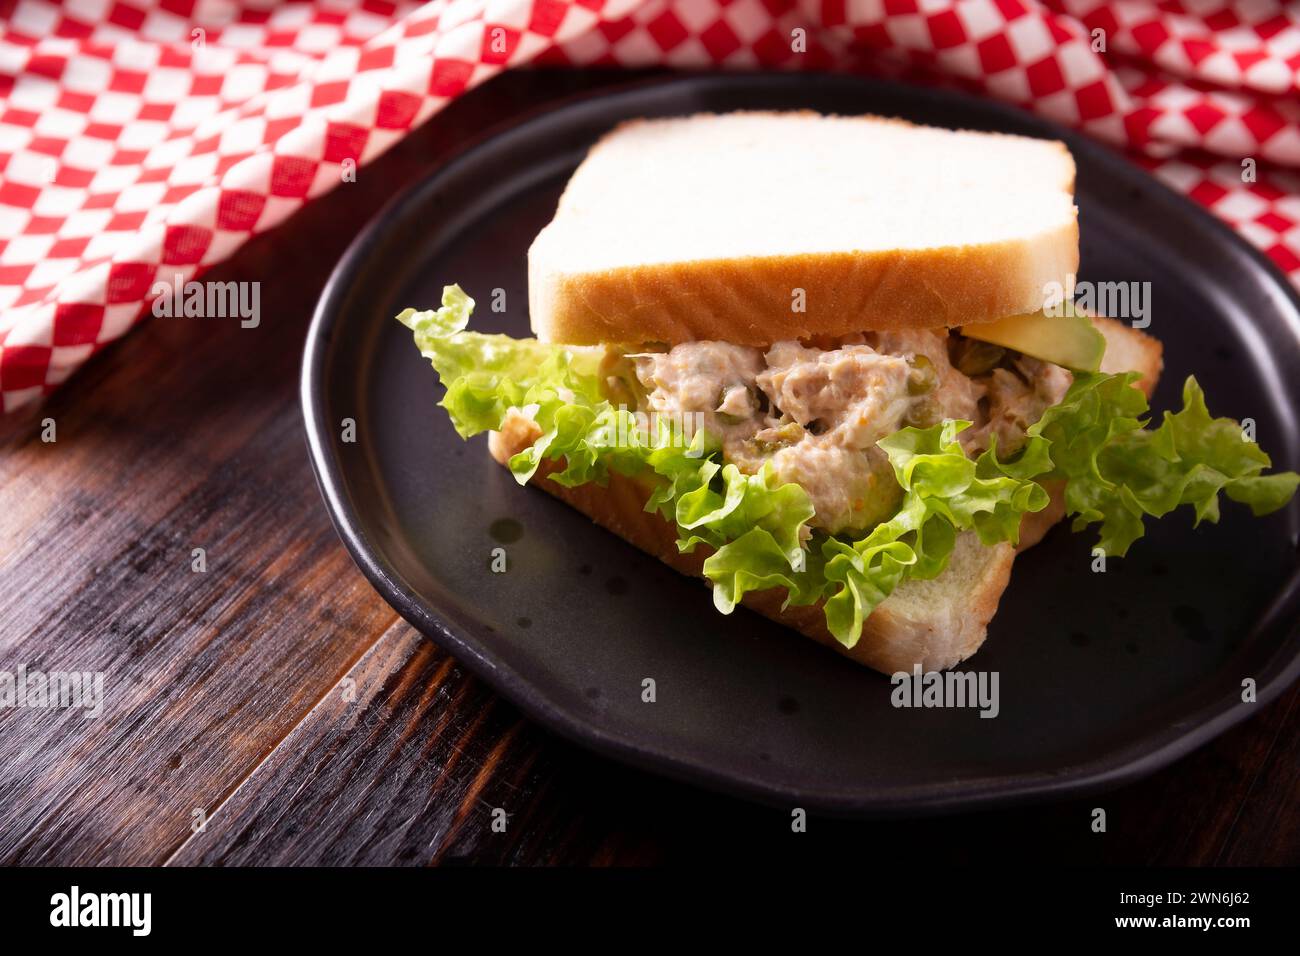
{"x":1116,"y":471}
{"x":486,"y":375}
{"x":943,"y":493}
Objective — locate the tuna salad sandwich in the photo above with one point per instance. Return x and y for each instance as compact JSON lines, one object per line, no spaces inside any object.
{"x":832,"y":365}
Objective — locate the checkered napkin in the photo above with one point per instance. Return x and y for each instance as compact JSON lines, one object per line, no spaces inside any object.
{"x":140,"y":139}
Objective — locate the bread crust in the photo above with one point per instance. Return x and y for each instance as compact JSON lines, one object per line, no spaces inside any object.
{"x":892,"y":640}
{"x":749,"y":301}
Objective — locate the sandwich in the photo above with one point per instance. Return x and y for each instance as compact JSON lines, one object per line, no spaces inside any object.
{"x":834,"y":367}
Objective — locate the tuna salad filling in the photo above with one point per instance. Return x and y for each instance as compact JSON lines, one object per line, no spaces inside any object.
{"x":815,"y":412}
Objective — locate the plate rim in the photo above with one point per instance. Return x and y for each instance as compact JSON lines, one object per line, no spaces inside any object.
{"x":1141,"y":757}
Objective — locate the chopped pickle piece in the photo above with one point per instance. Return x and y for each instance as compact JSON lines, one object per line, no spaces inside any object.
{"x":978,"y":358}
{"x":921,"y":377}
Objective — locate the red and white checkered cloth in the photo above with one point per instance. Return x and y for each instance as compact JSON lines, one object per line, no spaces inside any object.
{"x":144,"y":138}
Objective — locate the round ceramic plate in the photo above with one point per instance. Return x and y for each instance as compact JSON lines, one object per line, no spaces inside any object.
{"x":1102,"y":676}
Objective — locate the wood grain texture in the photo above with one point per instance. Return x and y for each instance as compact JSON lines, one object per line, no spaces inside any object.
{"x":184,"y":436}
{"x":413,"y":769}
{"x":280,"y":695}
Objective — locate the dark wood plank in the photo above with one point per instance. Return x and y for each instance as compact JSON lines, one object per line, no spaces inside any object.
{"x":391,"y":764}
{"x":1266,"y":828}
{"x":413,"y":769}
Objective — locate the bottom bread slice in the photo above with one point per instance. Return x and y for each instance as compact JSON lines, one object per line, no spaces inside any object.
{"x":936,"y":623}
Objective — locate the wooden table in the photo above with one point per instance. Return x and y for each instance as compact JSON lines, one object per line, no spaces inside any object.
{"x":277,"y":698}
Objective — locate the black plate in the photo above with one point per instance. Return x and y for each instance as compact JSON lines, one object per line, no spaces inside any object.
{"x":1103,"y":677}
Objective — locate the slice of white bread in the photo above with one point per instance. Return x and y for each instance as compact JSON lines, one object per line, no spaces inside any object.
{"x":705,"y":227}
{"x":936,"y":624}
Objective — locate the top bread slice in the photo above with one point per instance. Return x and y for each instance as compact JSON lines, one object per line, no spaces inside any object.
{"x":756,"y":227}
